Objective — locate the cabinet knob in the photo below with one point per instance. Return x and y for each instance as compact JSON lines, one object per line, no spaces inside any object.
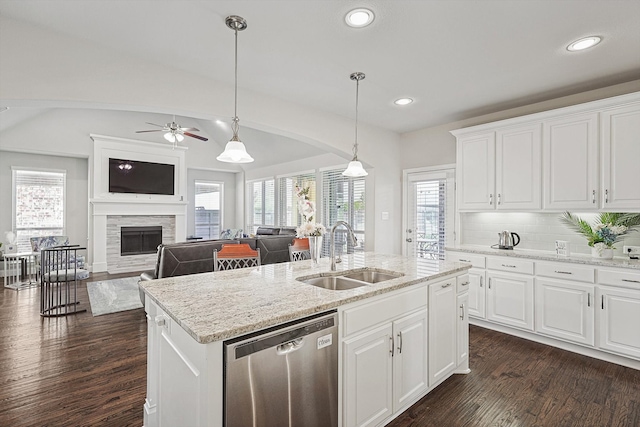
{"x":160,"y":320}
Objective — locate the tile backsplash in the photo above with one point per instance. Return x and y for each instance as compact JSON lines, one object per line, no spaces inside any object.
{"x":538,"y":231}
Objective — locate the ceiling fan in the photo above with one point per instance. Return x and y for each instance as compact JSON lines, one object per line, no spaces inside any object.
{"x":174,"y":132}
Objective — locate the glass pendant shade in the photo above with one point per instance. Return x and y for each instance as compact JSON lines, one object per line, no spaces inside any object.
{"x":171,"y":137}
{"x":235,"y":152}
{"x":355,"y":169}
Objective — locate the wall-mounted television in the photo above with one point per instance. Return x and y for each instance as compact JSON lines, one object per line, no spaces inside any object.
{"x":133,"y":176}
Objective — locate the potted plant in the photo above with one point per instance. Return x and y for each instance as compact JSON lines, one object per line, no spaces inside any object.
{"x":607,"y":229}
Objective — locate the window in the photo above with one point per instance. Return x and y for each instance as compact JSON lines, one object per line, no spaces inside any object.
{"x":287,"y":202}
{"x":261,"y":204}
{"x":343,"y":199}
{"x":38,"y":204}
{"x":208,"y":215}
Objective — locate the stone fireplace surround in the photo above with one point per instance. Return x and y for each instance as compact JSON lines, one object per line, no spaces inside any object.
{"x":109,"y":212}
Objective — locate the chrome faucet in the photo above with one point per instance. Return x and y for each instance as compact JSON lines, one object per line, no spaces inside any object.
{"x":354,"y":241}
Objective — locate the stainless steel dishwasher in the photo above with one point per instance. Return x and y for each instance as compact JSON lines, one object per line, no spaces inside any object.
{"x":284,"y":376}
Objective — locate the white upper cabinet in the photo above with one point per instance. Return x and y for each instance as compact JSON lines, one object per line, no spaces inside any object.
{"x":476,"y":169}
{"x":620,"y":156}
{"x":581,"y":158}
{"x":570,"y":162}
{"x":518,"y":154}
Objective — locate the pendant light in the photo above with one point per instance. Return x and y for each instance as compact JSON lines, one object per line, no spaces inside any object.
{"x":235,"y":151}
{"x":355,"y":168}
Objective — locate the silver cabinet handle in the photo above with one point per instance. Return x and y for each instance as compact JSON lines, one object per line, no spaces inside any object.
{"x":491,"y":198}
{"x":489,"y":282}
{"x":462,"y":312}
{"x":499,"y":199}
{"x":464,"y":260}
{"x":632,"y":281}
{"x":563,"y":272}
{"x":465,"y":284}
{"x":603,"y":302}
{"x":446,"y":285}
{"x":593,"y":196}
{"x":509,"y":265}
{"x":160,"y":320}
{"x":588,"y":299}
{"x":400,"y":342}
{"x":391,"y":345}
{"x":606,"y":196}
{"x":480,"y":281}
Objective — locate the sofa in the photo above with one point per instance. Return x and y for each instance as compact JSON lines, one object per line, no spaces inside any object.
{"x":179,"y":259}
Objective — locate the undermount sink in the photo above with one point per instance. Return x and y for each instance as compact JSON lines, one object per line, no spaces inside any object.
{"x":350,"y":280}
{"x":372,"y":276}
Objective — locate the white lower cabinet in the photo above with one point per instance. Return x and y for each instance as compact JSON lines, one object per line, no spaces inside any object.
{"x":565,"y":310}
{"x":619,"y":320}
{"x":442,"y":330}
{"x":384,"y":369}
{"x":510,"y":299}
{"x":477,"y":293}
{"x":463,"y":328}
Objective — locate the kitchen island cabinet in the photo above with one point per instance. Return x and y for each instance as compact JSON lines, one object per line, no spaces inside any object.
{"x":382,"y":334}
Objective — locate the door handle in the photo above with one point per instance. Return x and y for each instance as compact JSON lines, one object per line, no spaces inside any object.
{"x":603,"y":302}
{"x":400,"y":342}
{"x":588,"y":299}
{"x":160,"y":320}
{"x":480,"y":281}
{"x":409,"y":240}
{"x":606,"y":196}
{"x":593,"y":196}
{"x":391,"y":345}
{"x":446,"y":285}
{"x":462,"y":312}
{"x":491,"y":199}
{"x":499,"y":199}
{"x":489,"y":282}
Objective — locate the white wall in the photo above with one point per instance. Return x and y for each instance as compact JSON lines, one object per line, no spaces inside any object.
{"x":77,"y":187}
{"x":69,"y":72}
{"x":228,"y":180}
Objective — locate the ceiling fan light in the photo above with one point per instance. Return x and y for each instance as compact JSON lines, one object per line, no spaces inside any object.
{"x":179,"y":137}
{"x":355,"y":169}
{"x":169,"y":137}
{"x":235,"y":152}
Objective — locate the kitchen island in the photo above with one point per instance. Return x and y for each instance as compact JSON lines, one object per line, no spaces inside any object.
{"x":190,"y":317}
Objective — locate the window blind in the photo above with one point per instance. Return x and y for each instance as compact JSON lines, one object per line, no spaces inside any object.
{"x":343,"y":199}
{"x":261,"y":204}
{"x":208,"y":209}
{"x":288,"y":203}
{"x":38,"y":205}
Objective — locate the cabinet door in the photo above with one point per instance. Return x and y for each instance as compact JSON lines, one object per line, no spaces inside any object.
{"x":442,"y":330}
{"x":565,"y":310}
{"x":477,"y":294}
{"x":570,"y":162}
{"x":476,"y":172}
{"x":463,"y":328}
{"x":367,"y":377}
{"x":620,"y":158}
{"x":410,"y":359}
{"x":619,"y":320}
{"x":510,"y":299}
{"x":518,"y":167}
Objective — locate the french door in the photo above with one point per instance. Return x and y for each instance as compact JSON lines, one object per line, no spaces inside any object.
{"x":428,"y":213}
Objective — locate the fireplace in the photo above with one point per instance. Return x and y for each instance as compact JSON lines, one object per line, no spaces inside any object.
{"x":140,"y":240}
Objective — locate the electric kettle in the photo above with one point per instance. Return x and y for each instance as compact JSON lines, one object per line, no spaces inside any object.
{"x":507,"y":240}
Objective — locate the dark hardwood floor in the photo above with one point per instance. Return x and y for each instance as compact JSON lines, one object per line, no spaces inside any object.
{"x":91,"y":371}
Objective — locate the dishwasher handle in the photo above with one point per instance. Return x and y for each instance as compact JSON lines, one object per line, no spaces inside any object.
{"x":289,"y":347}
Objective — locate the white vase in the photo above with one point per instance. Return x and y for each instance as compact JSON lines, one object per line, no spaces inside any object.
{"x":603,"y":254}
{"x":315,"y":248}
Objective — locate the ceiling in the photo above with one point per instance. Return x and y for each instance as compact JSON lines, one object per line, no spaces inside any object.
{"x":457,"y":59}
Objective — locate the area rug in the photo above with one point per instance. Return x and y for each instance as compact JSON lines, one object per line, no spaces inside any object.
{"x":112,"y":296}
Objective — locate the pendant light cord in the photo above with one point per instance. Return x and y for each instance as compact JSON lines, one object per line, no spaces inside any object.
{"x":234,"y":126}
{"x":355,"y":146}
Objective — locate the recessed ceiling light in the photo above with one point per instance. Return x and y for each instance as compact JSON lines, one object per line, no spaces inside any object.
{"x":584,"y":43}
{"x":359,"y":18}
{"x":403,"y":101}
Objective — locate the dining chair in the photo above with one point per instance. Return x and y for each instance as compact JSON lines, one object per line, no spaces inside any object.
{"x":299,"y":250}
{"x":235,"y":256}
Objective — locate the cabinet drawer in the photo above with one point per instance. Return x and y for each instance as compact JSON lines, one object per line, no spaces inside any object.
{"x":628,"y":279}
{"x":384,"y":309}
{"x":462,"y":283}
{"x":566,"y":271}
{"x":514,"y":265}
{"x":478,"y":261}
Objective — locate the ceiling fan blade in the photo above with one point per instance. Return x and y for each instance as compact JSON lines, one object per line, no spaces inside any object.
{"x":143,"y":131}
{"x":191,"y":129}
{"x":202,"y":138}
{"x":153,"y":124}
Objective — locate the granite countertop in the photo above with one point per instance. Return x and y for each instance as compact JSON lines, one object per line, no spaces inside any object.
{"x":618,"y":262}
{"x":225,"y":304}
